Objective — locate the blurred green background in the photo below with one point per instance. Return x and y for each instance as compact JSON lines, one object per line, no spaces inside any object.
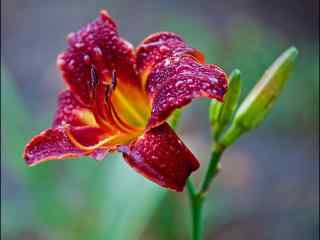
{"x":268,"y":188}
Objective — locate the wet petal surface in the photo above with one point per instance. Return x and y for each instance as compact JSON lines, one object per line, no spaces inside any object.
{"x":173,"y":74}
{"x":50,"y":144}
{"x":177,"y":80}
{"x":160,"y":156}
{"x":98,"y":44}
{"x":159,"y":46}
{"x":71,"y":111}
{"x":56,"y":144}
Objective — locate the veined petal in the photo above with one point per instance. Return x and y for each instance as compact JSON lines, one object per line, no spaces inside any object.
{"x":160,"y":156}
{"x":98,"y":44}
{"x":55,"y":144}
{"x":175,"y":81}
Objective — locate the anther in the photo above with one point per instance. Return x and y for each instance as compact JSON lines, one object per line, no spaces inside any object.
{"x":107,"y":93}
{"x":114,"y":80}
{"x":111,"y":87}
{"x":94,"y":77}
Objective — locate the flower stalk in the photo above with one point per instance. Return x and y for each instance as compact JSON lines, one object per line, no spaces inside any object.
{"x":250,"y":114}
{"x":197,"y":198}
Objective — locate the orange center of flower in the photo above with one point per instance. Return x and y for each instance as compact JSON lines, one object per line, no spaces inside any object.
{"x":121,"y":108}
{"x":130,"y":103}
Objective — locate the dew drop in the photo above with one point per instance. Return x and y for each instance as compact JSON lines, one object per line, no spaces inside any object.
{"x":71,"y":64}
{"x":90,"y":37}
{"x":170,"y":99}
{"x":213,"y":79}
{"x":86,"y":59}
{"x":98,"y":52}
{"x":163,"y":48}
{"x":190,"y":81}
{"x":70,"y":35}
{"x":79,"y":45}
{"x":60,"y":61}
{"x":179,"y":84}
{"x":166,"y":62}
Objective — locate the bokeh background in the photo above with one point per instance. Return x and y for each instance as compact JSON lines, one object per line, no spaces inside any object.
{"x":268,"y":188}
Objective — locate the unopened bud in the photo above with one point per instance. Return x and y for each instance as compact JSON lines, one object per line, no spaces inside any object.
{"x":258,"y":103}
{"x":230,"y":102}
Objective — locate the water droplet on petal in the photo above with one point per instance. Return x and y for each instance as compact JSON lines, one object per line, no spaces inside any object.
{"x":170,"y":99}
{"x":179,"y":84}
{"x":166,"y":62}
{"x":213,"y":79}
{"x":71,"y":64}
{"x":163,"y":48}
{"x":79,"y":45}
{"x":98,"y":52}
{"x":190,"y":81}
{"x":86,"y":59}
{"x":60,"y":60}
{"x":70,"y":35}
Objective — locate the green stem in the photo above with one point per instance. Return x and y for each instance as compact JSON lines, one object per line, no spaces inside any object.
{"x":191,"y":188}
{"x":197,"y":198}
{"x":197,"y":221}
{"x":213,"y":168}
{"x":196,"y":202}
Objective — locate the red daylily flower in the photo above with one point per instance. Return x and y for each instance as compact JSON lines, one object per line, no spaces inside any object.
{"x":118,"y":99}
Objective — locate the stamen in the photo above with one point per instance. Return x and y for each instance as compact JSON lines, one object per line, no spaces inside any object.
{"x":114,"y":80}
{"x":111,"y":87}
{"x":107,"y":93}
{"x":94,"y":78}
{"x":113,"y":114}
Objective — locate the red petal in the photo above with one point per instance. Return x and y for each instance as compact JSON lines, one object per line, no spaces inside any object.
{"x":96,"y":44}
{"x":71,"y":111}
{"x":159,"y":46}
{"x":88,"y":136}
{"x":174,"y":82}
{"x":173,"y":74}
{"x":160,"y":156}
{"x":54,"y":144}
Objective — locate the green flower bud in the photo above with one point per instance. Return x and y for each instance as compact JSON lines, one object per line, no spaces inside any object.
{"x":230,"y":102}
{"x":214,"y":112}
{"x":258,"y":103}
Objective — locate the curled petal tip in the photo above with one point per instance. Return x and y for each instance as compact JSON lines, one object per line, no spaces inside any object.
{"x":104,"y":13}
{"x":55,"y":144}
{"x":105,"y":16}
{"x":160,"y":156}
